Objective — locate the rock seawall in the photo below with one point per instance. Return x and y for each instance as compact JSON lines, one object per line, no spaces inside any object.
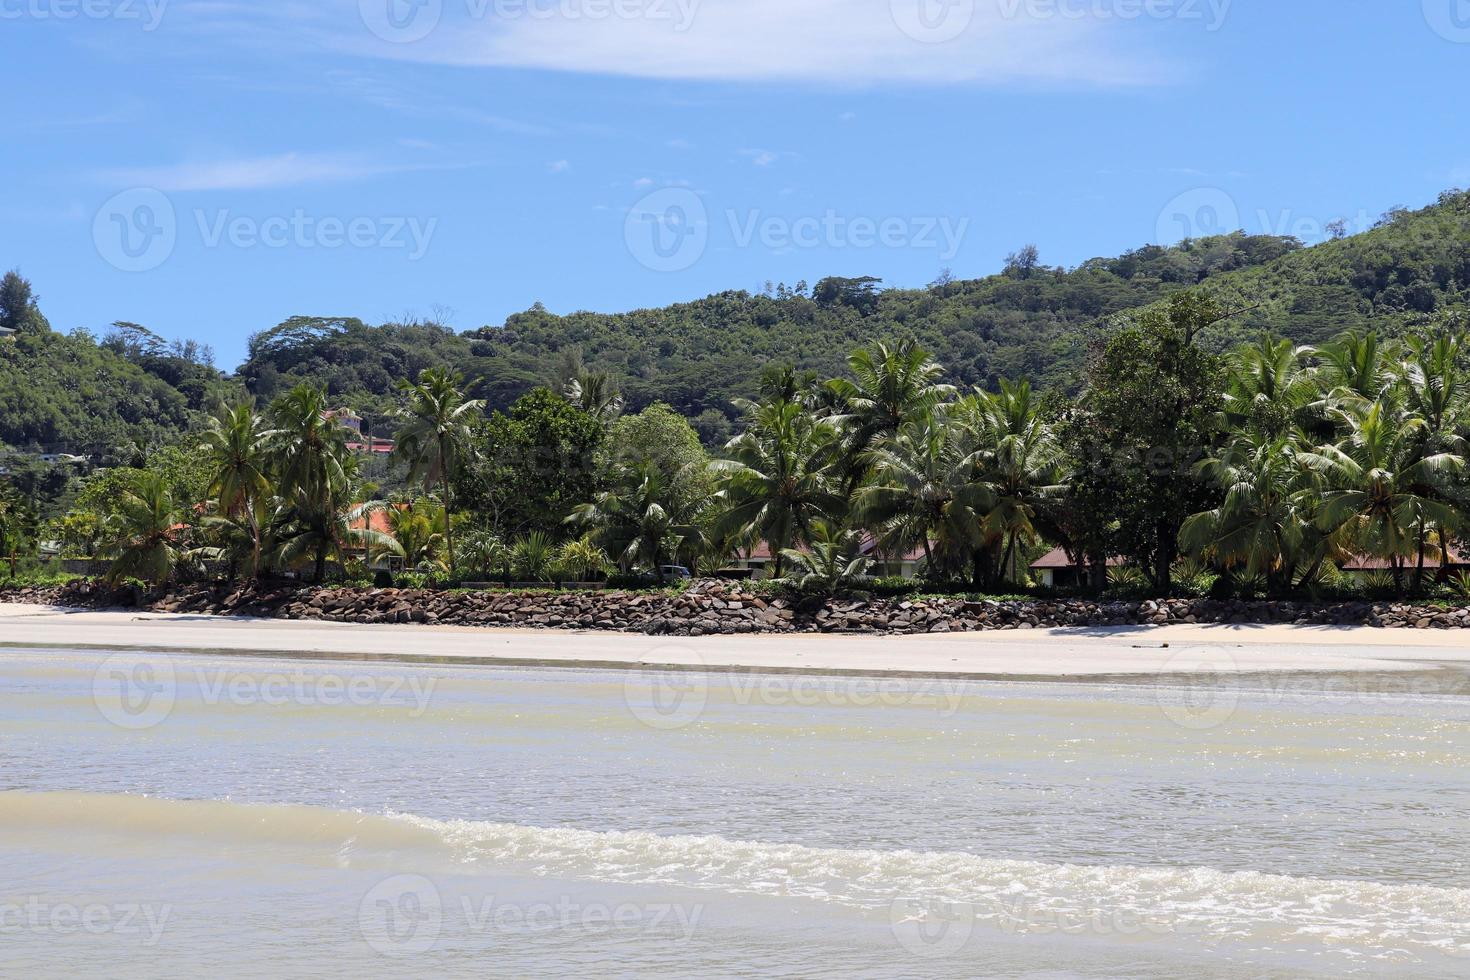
{"x":718,"y":607}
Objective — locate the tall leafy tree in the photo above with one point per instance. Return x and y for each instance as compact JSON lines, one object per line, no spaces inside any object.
{"x":1148,"y":417}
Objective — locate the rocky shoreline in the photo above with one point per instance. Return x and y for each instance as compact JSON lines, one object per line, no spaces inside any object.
{"x":719,"y":607}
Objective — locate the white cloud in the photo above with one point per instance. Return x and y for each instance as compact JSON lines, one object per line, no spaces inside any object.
{"x":761,"y":158}
{"x":559,"y":166}
{"x":843,"y":42}
{"x":251,"y":173}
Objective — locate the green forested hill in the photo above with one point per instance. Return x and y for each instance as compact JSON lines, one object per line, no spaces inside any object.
{"x":1414,"y":265}
{"x":71,"y":393}
{"x":64,"y":393}
{"x":1030,"y":320}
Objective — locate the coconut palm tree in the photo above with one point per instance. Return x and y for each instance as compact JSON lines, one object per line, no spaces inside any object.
{"x":924,"y":492}
{"x":640,"y":519}
{"x":235,"y":443}
{"x":780,"y":478}
{"x":319,"y":529}
{"x":1268,"y":386}
{"x":437,"y":435}
{"x":1383,"y":493}
{"x":142,"y":533}
{"x":595,"y":393}
{"x":1019,"y":461}
{"x":307,"y":447}
{"x":1265,"y":524}
{"x":891,"y":387}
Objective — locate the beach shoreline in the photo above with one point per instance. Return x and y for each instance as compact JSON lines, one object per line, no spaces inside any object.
{"x":1054,"y":654}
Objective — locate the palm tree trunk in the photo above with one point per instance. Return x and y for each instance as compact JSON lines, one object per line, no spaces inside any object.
{"x":1419,"y":572}
{"x":321,"y":562}
{"x":1006,"y":569}
{"x":448,"y":523}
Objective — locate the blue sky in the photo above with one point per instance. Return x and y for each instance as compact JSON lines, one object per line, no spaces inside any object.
{"x":209,"y":167}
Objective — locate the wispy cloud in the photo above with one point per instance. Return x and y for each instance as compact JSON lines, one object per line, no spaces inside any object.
{"x":559,"y":166}
{"x":761,"y":158}
{"x":842,"y":42}
{"x":252,"y":173}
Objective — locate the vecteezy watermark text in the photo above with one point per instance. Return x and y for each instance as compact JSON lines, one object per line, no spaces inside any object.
{"x":407,"y":915}
{"x":129,"y":919}
{"x":669,"y":231}
{"x":149,"y":13}
{"x":1211,"y":13}
{"x":138,"y":691}
{"x":138,"y":230}
{"x":408,"y":21}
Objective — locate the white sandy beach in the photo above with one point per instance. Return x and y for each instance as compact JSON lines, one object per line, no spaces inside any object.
{"x":1031,"y":653}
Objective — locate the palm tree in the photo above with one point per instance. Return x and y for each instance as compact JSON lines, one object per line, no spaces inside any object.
{"x":891,"y":387}
{"x":640,"y":518}
{"x":1355,"y":367}
{"x":1383,"y":493}
{"x":319,"y":529}
{"x":834,"y":562}
{"x":1019,"y":460}
{"x":1265,"y":523}
{"x":595,"y":393}
{"x":420,"y":529}
{"x":235,"y":444}
{"x":307,"y":447}
{"x":924,"y":492}
{"x":1268,"y":386}
{"x":437,"y":435}
{"x":780,"y":478}
{"x":142,"y":532}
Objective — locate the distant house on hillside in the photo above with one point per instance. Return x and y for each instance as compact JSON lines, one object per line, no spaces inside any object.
{"x":6,"y":333}
{"x":1055,"y":570}
{"x":359,"y":442}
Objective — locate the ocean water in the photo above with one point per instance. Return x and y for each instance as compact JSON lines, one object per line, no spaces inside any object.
{"x":269,"y":817}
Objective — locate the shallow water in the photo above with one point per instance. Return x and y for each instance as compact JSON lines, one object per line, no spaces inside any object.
{"x":255,"y":817}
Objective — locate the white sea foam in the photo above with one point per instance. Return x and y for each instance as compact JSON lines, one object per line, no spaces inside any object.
{"x":1362,"y":918}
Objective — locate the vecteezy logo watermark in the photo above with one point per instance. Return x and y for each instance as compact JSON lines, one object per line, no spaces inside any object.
{"x":1449,"y":18}
{"x":138,"y":230}
{"x":139,"y":691}
{"x":931,"y":929}
{"x":1198,"y":690}
{"x":401,"y":21}
{"x":406,"y":915}
{"x":1204,"y":212}
{"x":1212,"y":13}
{"x":667,"y":699}
{"x":1199,"y":213}
{"x":668,"y":230}
{"x":128,"y":919}
{"x":932,"y":21}
{"x":407,"y":21}
{"x":148,"y":12}
{"x":135,"y":691}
